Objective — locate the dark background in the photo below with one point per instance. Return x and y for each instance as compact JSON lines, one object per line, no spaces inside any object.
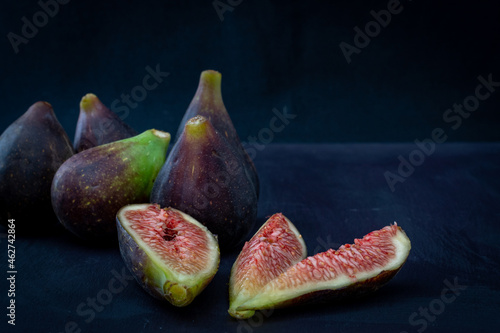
{"x":272,"y":54}
{"x":277,"y":54}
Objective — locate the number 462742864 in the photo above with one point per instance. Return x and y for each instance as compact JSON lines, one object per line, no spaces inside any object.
{"x":11,"y":249}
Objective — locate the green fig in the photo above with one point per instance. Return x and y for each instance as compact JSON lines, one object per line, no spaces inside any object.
{"x":31,"y":150}
{"x":98,"y":125}
{"x":90,"y":188}
{"x":205,"y":177}
{"x":207,"y":102}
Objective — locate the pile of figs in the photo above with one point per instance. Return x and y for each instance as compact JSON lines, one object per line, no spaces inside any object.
{"x":174,"y":211}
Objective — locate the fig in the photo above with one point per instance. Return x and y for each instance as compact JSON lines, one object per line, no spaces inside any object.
{"x":352,"y":270}
{"x":170,"y":254}
{"x":91,"y":186}
{"x":207,"y":102}
{"x":276,"y":246}
{"x":31,"y":150}
{"x":205,"y":177}
{"x":98,"y":125}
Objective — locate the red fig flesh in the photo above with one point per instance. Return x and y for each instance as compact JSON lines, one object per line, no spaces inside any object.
{"x":276,"y":246}
{"x":353,"y":269}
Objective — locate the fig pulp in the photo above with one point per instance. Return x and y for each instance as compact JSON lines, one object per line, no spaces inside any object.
{"x":205,"y":177}
{"x":351,"y":270}
{"x":207,"y":102}
{"x":90,"y":187}
{"x":31,"y":150}
{"x":98,"y":125}
{"x":171,"y":255}
{"x":276,"y":246}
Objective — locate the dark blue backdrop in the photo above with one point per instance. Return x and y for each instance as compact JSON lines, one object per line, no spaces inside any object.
{"x":405,"y":78}
{"x":417,"y":63}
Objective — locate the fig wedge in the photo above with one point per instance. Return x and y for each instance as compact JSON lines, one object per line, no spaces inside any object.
{"x":171,"y":255}
{"x":352,"y":270}
{"x":275,"y":247}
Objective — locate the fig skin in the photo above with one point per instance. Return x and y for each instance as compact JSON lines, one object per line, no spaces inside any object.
{"x":98,"y":125}
{"x":207,"y":102}
{"x":90,"y":188}
{"x":355,"y":290}
{"x":32,"y":148}
{"x":152,"y":278}
{"x":205,"y":177}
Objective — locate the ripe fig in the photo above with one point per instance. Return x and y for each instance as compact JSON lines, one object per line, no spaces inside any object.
{"x":90,"y":187}
{"x":353,"y":269}
{"x":205,"y":177}
{"x":275,"y":247}
{"x":207,"y":102}
{"x":98,"y":125}
{"x":171,"y":255}
{"x":31,"y":150}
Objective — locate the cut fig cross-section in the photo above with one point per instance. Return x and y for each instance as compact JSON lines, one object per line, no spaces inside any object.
{"x":351,"y":270}
{"x":276,"y":246}
{"x":170,"y":254}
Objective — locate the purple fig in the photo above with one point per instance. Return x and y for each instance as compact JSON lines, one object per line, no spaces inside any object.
{"x":31,"y":150}
{"x":90,"y":187}
{"x":205,"y":177}
{"x":98,"y":125}
{"x":207,"y":102}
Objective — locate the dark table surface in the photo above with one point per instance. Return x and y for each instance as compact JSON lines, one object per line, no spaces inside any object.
{"x":449,"y":207}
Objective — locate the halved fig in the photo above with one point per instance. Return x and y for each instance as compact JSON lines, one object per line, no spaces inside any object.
{"x":353,"y":269}
{"x":170,"y":254}
{"x":276,"y":246}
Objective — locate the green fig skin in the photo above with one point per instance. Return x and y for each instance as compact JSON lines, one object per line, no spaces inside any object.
{"x":98,"y":125}
{"x":207,"y":102}
{"x":206,"y":178}
{"x":90,"y":188}
{"x":32,"y":148}
{"x":354,"y":291}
